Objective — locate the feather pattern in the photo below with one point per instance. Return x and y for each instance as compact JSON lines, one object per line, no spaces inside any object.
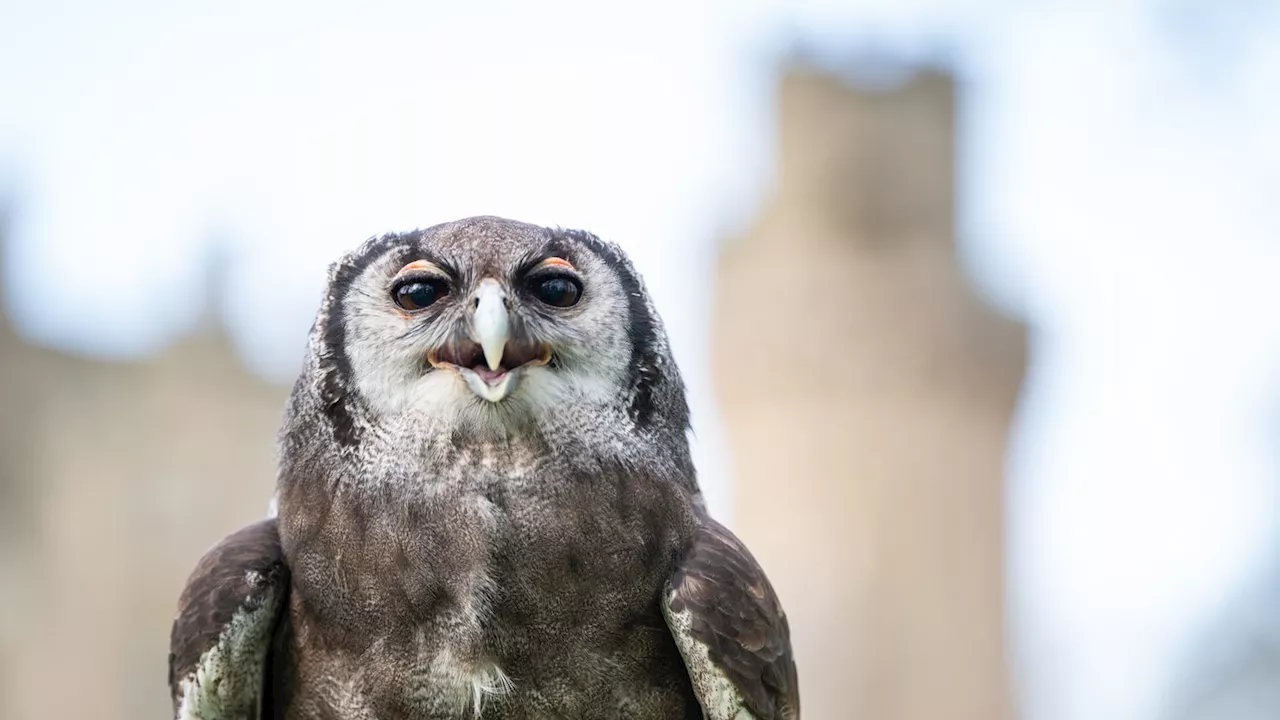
{"x":444,"y":554}
{"x":731,"y":630}
{"x":227,"y":616}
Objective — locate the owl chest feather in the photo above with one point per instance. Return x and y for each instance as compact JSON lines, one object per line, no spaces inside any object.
{"x":495,"y":594}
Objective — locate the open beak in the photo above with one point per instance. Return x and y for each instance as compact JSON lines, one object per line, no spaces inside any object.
{"x":490,"y":361}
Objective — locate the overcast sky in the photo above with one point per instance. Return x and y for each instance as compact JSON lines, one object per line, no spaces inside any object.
{"x":1119,"y":163}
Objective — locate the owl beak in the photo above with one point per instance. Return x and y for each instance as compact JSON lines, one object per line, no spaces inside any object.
{"x":505,"y":358}
{"x":491,"y":321}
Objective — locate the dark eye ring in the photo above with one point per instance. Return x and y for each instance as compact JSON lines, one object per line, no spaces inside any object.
{"x":418,"y":293}
{"x":557,"y":290}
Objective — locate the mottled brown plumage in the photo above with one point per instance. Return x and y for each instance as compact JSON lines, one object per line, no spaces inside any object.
{"x":244,"y":574}
{"x":539,"y":550}
{"x":737,"y":616}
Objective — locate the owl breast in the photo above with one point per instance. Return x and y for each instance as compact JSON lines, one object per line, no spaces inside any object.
{"x":515,"y":595}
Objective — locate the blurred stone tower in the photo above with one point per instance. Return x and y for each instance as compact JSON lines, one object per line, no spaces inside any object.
{"x":867,"y":393}
{"x":114,"y":478}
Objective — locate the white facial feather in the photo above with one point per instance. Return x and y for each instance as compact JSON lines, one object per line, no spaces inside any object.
{"x":371,"y":417}
{"x":387,"y":348}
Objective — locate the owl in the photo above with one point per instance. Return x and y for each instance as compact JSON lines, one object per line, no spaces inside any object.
{"x":486,"y":508}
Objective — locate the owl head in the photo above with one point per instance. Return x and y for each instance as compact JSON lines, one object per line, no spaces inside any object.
{"x":488,"y":324}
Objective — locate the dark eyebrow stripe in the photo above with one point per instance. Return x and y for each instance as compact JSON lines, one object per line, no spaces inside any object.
{"x":554,"y":247}
{"x":410,"y":255}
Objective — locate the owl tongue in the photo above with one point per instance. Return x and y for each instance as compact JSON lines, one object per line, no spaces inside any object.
{"x":492,"y":377}
{"x":516,"y":354}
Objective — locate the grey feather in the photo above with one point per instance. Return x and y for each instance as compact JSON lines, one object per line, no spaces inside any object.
{"x":455,"y":556}
{"x":227,"y":618}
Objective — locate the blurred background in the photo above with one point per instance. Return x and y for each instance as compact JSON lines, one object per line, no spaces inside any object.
{"x":975,"y":301}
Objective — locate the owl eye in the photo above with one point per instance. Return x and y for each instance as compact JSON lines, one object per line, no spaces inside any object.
{"x":557,"y":290}
{"x":419,"y":293}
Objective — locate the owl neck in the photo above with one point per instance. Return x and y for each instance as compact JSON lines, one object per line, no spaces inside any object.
{"x":390,"y":450}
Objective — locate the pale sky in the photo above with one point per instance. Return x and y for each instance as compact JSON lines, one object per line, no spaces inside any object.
{"x":1119,"y":158}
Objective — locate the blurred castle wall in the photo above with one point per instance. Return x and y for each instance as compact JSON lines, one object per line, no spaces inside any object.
{"x":114,"y":478}
{"x":867,"y":395}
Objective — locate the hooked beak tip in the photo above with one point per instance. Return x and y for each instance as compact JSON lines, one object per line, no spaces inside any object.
{"x":493,"y":354}
{"x":492,"y":323}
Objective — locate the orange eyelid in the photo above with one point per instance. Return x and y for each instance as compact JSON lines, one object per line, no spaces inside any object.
{"x":420,"y":265}
{"x":556,"y":262}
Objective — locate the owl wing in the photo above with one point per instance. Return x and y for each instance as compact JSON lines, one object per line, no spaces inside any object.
{"x":731,"y":630}
{"x":220,"y":645}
